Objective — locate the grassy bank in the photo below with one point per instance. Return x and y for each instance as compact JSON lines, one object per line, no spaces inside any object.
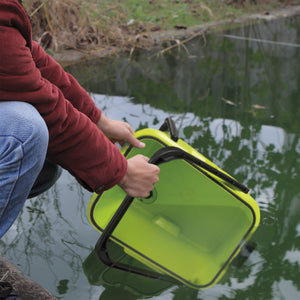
{"x":96,"y":25}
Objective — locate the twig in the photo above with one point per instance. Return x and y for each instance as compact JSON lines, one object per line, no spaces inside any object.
{"x":47,"y":16}
{"x":36,"y":10}
{"x":4,"y":276}
{"x":178,"y":43}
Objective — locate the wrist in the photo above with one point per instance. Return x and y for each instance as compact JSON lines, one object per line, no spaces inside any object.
{"x":124,"y":179}
{"x":102,"y":123}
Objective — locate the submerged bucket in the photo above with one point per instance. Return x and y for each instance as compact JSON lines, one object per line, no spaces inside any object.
{"x":190,"y":227}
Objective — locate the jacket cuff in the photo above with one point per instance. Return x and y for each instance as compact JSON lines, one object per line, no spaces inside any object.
{"x":95,"y":115}
{"x":116,"y":180}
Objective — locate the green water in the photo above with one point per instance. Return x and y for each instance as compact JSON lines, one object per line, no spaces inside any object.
{"x":233,"y":99}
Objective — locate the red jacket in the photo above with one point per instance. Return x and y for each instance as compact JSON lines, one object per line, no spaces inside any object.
{"x":28,"y":74}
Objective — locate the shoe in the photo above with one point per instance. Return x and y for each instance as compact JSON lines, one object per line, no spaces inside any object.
{"x":47,"y":177}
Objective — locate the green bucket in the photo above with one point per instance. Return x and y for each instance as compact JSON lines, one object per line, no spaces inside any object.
{"x":191,"y":226}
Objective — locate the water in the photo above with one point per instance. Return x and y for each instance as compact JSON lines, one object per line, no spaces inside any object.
{"x":234,"y":99}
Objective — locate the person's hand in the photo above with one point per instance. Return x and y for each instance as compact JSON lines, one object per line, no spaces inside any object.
{"x":140,"y":177}
{"x":118,"y":131}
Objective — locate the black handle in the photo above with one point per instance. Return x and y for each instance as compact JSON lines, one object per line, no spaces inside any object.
{"x":169,"y":125}
{"x":170,"y":153}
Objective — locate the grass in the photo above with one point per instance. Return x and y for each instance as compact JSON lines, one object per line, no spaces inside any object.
{"x":95,"y":25}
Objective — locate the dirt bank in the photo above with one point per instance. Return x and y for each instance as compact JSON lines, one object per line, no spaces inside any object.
{"x":22,"y":286}
{"x":164,"y":38}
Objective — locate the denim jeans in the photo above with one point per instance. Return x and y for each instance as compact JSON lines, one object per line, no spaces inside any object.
{"x":23,"y":147}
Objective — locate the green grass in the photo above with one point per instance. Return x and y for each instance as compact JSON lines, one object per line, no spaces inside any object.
{"x":170,"y":13}
{"x":165,"y":14}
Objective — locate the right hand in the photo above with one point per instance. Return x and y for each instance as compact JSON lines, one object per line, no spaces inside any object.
{"x":140,"y":176}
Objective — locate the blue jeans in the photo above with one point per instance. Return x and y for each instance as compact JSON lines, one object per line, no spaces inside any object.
{"x":23,"y":147}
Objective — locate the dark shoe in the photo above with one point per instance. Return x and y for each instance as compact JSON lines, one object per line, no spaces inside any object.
{"x":47,"y":177}
{"x":6,"y":292}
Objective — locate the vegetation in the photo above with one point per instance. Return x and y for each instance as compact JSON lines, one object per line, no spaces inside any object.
{"x":94,"y":25}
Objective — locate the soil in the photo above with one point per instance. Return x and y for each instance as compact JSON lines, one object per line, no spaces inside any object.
{"x":161,"y":39}
{"x":23,"y":286}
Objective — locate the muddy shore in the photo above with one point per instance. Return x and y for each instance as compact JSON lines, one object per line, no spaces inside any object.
{"x":157,"y":39}
{"x":22,"y":286}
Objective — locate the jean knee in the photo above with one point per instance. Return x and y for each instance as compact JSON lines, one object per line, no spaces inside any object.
{"x":37,"y":135}
{"x":24,"y":123}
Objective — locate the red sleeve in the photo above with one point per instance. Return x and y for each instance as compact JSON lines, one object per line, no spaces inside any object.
{"x":75,"y":141}
{"x":69,"y":86}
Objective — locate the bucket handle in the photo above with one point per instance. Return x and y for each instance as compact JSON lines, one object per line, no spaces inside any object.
{"x":169,"y":125}
{"x":169,"y":153}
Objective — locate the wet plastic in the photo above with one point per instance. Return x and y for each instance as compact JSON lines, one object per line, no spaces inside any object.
{"x":191,"y":226}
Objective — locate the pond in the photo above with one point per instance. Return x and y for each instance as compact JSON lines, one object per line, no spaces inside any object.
{"x":234,"y":96}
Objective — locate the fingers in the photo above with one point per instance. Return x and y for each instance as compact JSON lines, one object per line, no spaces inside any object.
{"x":130,"y":128}
{"x":154,"y":169}
{"x":135,"y":142}
{"x":132,"y":140}
{"x":143,"y":157}
{"x":140,"y":177}
{"x":128,"y":135}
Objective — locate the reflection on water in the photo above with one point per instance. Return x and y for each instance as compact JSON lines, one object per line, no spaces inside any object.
{"x":234,"y":100}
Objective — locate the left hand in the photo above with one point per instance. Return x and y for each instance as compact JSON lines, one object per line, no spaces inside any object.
{"x":118,"y":131}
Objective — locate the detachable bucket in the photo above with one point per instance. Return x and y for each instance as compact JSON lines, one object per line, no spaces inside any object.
{"x":193,"y":223}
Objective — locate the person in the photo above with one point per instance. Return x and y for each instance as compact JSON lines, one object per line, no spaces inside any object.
{"x":46,"y":114}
